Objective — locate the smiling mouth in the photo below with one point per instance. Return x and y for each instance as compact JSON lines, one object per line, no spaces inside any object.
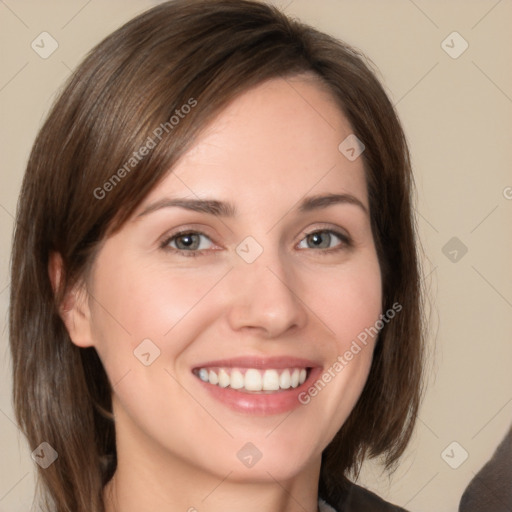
{"x":253,"y":380}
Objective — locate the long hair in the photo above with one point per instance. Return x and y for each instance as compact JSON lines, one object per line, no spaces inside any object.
{"x":207,"y":52}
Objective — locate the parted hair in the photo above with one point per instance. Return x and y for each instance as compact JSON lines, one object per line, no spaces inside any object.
{"x":127,"y":86}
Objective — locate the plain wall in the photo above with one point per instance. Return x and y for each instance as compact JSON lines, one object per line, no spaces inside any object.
{"x":457,"y":114}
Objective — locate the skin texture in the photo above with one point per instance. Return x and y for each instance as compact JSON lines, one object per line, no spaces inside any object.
{"x":177,"y":446}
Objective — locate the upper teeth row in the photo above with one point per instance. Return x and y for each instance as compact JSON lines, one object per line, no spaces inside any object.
{"x":252,"y":379}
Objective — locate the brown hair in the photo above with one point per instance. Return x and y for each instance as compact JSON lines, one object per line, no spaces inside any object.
{"x":176,"y":54}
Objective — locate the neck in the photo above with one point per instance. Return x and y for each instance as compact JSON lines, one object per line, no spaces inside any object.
{"x":134,"y":489}
{"x":148,"y":478}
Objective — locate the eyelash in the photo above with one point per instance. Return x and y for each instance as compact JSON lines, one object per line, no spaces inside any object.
{"x":345,"y":242}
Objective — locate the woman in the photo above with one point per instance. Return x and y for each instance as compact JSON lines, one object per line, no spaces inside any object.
{"x":215,"y":288}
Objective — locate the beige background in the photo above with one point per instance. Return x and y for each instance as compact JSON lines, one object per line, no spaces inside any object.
{"x":457,"y":114}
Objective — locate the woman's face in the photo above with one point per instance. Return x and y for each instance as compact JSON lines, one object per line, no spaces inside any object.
{"x":248,"y":269}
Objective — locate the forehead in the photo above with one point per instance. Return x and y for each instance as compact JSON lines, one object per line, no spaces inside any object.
{"x":277,"y":140}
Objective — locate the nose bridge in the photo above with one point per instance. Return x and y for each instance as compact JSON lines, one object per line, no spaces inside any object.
{"x":265,"y":298}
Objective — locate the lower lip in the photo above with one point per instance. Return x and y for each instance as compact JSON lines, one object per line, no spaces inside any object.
{"x":262,"y":404}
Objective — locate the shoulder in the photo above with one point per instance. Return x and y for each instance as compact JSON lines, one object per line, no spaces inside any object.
{"x":358,"y":499}
{"x":490,"y":489}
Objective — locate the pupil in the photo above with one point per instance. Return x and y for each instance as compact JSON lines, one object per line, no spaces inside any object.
{"x":186,"y":241}
{"x":319,"y":240}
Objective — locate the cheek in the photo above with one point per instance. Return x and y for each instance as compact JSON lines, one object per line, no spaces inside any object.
{"x":350,"y":304}
{"x":133,"y":302}
{"x":148,"y":298}
{"x":350,"y":299}
{"x":144,"y":319}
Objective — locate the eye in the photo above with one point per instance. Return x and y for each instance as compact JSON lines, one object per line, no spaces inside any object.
{"x":188,"y":241}
{"x":324,"y":239}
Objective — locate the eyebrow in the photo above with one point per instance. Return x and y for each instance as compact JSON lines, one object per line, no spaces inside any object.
{"x":325,"y":200}
{"x":225,"y":209}
{"x":211,"y":206}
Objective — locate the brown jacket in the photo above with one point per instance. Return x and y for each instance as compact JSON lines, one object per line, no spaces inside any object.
{"x":491,"y":489}
{"x":357,"y":499}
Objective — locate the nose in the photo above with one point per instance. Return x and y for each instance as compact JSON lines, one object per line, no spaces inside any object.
{"x":264,"y":299}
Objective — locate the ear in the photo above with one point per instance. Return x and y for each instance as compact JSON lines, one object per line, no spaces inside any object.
{"x":74,"y":309}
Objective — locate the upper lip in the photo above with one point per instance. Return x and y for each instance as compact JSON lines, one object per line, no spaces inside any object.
{"x":279,"y":362}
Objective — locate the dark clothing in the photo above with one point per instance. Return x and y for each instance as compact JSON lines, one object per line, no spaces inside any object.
{"x":491,"y":489}
{"x":357,"y":499}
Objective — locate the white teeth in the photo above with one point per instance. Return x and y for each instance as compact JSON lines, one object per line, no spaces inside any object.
{"x":270,"y":380}
{"x":224,"y":379}
{"x":295,"y":378}
{"x":237,"y":379}
{"x":252,"y":379}
{"x":213,"y":377}
{"x":284,"y":380}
